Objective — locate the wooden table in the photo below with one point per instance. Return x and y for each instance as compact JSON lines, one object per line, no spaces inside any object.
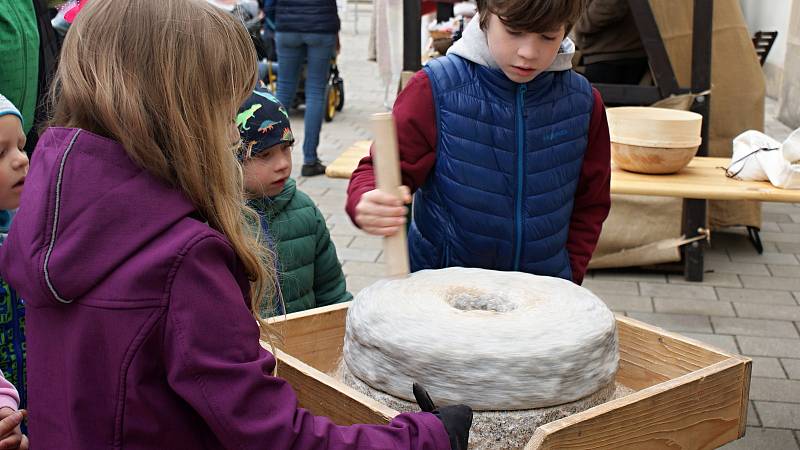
{"x":703,"y":179}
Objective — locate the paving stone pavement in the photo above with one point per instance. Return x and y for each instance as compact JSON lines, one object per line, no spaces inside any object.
{"x":748,"y":303}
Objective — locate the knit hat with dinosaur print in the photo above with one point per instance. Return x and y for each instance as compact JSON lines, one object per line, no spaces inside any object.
{"x":262,"y":122}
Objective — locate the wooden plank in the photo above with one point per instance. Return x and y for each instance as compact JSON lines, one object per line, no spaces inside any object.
{"x":650,"y":355}
{"x":325,"y":396}
{"x":700,"y":410}
{"x":703,"y":178}
{"x":315,"y":336}
{"x":745,"y":397}
{"x":347,"y":162}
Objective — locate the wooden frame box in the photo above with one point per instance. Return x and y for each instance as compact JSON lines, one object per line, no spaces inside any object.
{"x":688,"y":395}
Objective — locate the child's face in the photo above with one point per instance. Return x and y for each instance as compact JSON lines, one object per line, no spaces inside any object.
{"x":522,"y":55}
{"x":13,"y":168}
{"x":265,"y":173}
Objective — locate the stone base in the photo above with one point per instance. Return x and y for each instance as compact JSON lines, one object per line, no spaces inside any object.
{"x":492,"y":430}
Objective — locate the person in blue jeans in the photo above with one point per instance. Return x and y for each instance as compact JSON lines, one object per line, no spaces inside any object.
{"x":306,"y":31}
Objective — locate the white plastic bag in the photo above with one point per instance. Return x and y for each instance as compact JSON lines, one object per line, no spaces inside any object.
{"x":758,"y":157}
{"x":791,"y":147}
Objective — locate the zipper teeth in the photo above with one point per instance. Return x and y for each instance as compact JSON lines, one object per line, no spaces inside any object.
{"x":17,"y":347}
{"x":520,"y":177}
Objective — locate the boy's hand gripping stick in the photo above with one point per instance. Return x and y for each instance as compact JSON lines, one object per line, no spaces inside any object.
{"x":387,"y":175}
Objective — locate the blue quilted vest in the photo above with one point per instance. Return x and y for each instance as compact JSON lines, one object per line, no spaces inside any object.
{"x":508,"y":158}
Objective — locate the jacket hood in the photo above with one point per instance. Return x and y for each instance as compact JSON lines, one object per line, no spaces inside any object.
{"x":474,"y":47}
{"x":88,"y":213}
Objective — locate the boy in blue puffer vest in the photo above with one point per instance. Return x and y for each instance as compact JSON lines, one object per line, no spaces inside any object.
{"x":506,"y":148}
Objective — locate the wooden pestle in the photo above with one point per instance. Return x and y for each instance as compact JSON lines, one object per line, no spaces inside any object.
{"x":387,"y":177}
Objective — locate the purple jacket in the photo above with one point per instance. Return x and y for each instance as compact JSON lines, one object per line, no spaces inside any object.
{"x":139,"y":332}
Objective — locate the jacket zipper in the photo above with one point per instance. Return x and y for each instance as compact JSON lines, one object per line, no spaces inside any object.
{"x":520,"y":116}
{"x":17,"y":347}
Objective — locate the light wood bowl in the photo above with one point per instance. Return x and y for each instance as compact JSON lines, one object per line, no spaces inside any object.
{"x":654,"y":127}
{"x":653,"y":140}
{"x":651,"y":160}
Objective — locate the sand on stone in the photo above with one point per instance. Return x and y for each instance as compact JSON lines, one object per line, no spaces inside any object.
{"x":492,"y":430}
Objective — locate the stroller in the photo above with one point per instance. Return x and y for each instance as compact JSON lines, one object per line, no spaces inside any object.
{"x":262,"y":30}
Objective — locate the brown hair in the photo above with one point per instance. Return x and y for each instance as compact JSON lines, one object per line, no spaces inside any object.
{"x":165,"y":79}
{"x":532,"y":16}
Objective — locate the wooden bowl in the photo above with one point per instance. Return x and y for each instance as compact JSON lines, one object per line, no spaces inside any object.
{"x":654,"y":127}
{"x":653,"y":140}
{"x":651,"y":160}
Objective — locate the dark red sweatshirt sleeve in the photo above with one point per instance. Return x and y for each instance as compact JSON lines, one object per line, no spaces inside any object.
{"x":415,"y":119}
{"x":593,"y":196}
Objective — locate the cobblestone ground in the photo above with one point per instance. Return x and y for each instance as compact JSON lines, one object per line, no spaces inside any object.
{"x":747,"y":304}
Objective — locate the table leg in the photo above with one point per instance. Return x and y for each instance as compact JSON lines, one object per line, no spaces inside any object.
{"x":694,"y":222}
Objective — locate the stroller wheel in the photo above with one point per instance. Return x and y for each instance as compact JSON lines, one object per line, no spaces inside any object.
{"x":338,"y":85}
{"x":330,"y":102}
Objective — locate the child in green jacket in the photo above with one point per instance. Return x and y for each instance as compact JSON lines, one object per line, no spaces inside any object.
{"x":310,"y":273}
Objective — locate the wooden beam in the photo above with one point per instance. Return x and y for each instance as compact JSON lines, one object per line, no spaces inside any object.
{"x":444,"y":11}
{"x":702,"y":32}
{"x":660,"y":66}
{"x":626,"y":94}
{"x":695,"y":211}
{"x":412,"y":39}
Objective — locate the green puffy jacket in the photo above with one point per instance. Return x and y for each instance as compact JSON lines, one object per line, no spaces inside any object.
{"x":19,"y":57}
{"x":310,"y":273}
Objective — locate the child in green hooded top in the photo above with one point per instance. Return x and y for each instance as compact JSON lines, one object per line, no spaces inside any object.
{"x":310,"y":273}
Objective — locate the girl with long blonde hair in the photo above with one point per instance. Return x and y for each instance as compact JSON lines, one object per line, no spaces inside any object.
{"x":132,"y":251}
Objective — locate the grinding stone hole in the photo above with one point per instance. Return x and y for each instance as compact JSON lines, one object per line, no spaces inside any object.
{"x":470,"y":299}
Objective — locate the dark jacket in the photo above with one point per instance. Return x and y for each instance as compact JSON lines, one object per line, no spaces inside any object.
{"x":606,"y":31}
{"x":49,"y":47}
{"x":138,"y":323}
{"x":310,"y":273}
{"x":19,"y":57}
{"x":306,"y":16}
